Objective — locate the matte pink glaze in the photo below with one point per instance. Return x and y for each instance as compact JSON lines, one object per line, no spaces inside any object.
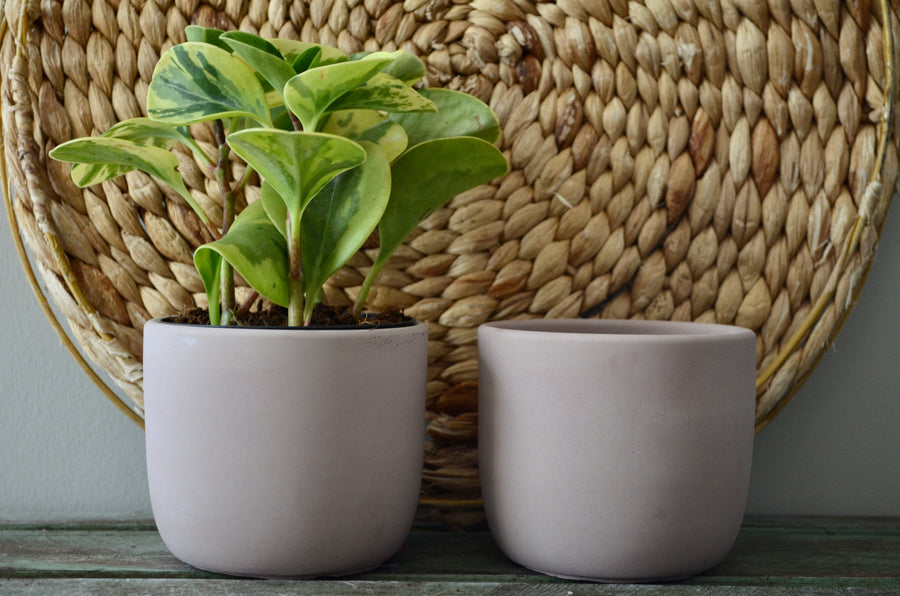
{"x":615,"y":450}
{"x":284,"y":452}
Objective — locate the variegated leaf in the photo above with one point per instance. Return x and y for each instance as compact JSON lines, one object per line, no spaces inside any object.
{"x":341,"y":217}
{"x":205,"y":35}
{"x":147,"y":131}
{"x":309,"y":94}
{"x":142,"y":131}
{"x":386,"y":93}
{"x":124,"y":155}
{"x":255,"y":249}
{"x":194,"y":82}
{"x":209,"y":267}
{"x":427,"y":176}
{"x":458,"y":114}
{"x":368,"y":125}
{"x":262,"y":56}
{"x":296,"y":164}
{"x":274,"y":207}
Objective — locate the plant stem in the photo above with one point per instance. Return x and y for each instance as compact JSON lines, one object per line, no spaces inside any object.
{"x":295,"y":273}
{"x":243,"y":181}
{"x":223,"y":174}
{"x":296,"y":302}
{"x":366,"y":287}
{"x":247,"y":304}
{"x":295,"y":306}
{"x":312,"y":299}
{"x":226,"y":293}
{"x":295,"y":121}
{"x":213,"y":232}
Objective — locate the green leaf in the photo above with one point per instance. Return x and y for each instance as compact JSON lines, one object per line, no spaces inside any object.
{"x":407,"y":67}
{"x":256,"y":250}
{"x":427,"y":176}
{"x":309,"y":94}
{"x":281,"y":118}
{"x":274,"y":207}
{"x":309,"y":58}
{"x":368,"y":125}
{"x":341,"y":217}
{"x":124,"y":155}
{"x":296,"y":164}
{"x":249,"y":39}
{"x":209,"y":266}
{"x":386,"y":93}
{"x":262,"y":56}
{"x":205,"y":35}
{"x":194,"y":82}
{"x":291,"y":48}
{"x":458,"y":114}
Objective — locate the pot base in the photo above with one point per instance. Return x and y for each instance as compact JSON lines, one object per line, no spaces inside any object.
{"x":293,"y":577}
{"x":616,"y":580}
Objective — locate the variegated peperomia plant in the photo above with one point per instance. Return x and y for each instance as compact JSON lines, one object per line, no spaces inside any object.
{"x":344,"y":145}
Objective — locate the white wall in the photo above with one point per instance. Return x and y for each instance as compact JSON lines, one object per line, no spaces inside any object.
{"x":67,"y":454}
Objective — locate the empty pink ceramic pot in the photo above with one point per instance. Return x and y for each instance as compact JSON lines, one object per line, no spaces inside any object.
{"x":284,"y":452}
{"x":615,"y":450}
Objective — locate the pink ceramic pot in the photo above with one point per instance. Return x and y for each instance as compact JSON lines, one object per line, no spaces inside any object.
{"x":284,"y":452}
{"x":615,"y":450}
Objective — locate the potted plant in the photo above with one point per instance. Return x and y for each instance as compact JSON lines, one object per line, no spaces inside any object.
{"x":293,"y":451}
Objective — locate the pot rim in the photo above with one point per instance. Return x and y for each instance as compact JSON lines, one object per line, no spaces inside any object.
{"x":168,"y":322}
{"x":616,"y":329}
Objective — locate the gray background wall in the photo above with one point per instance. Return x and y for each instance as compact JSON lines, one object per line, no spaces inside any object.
{"x":66,"y":454}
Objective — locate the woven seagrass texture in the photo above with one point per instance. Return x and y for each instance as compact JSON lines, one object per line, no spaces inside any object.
{"x":724,"y":161}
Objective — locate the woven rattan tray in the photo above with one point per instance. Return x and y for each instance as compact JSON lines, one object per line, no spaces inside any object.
{"x":713,"y":160}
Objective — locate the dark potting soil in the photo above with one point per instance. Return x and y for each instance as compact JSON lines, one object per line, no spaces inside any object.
{"x":276,"y":316}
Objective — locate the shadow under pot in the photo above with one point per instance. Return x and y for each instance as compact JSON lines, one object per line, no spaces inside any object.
{"x":615,"y":450}
{"x":285,"y":452}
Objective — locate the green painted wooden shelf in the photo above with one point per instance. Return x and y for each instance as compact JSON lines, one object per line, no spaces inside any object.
{"x":771,"y":556}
